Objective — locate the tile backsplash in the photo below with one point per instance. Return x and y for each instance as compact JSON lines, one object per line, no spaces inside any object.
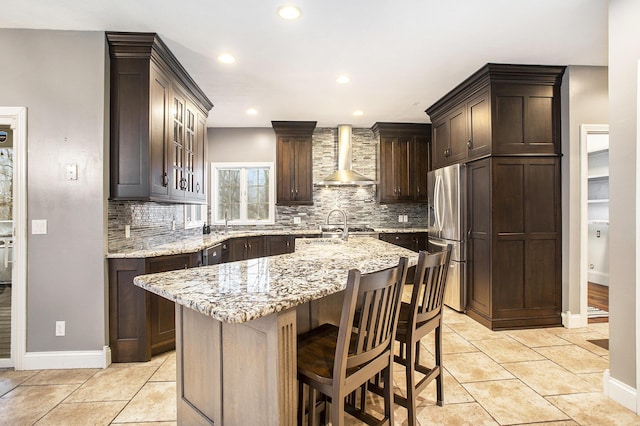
{"x":151,"y":223}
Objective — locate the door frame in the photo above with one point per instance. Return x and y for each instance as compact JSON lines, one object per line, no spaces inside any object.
{"x":16,"y":117}
{"x":585,"y":131}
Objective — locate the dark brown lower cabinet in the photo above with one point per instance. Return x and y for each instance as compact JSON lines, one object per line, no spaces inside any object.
{"x":415,"y":241}
{"x":279,"y":244}
{"x":141,"y":324}
{"x":245,"y":248}
{"x":514,"y":252}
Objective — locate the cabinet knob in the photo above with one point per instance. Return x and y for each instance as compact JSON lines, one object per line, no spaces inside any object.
{"x":198,"y":187}
{"x":165,"y":179}
{"x":470,"y":144}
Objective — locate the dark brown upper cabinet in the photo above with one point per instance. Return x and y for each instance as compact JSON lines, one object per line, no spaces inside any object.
{"x":403,"y":161}
{"x":501,"y":109}
{"x":294,"y":171}
{"x":158,"y":123}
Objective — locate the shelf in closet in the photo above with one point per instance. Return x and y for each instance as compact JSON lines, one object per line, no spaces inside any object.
{"x":597,"y":177}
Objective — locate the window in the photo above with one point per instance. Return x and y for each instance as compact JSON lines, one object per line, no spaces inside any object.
{"x":194,"y":215}
{"x":243,"y":193}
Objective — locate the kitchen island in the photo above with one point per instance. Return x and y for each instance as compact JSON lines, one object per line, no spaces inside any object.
{"x":236,"y":325}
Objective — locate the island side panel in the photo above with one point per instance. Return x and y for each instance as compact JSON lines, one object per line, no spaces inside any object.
{"x":259,"y":377}
{"x":198,"y":365}
{"x":236,"y":374}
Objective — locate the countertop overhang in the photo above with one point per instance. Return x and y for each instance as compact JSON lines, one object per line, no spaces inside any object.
{"x":242,"y":291}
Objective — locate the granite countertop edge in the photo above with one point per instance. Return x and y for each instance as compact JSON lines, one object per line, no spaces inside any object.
{"x":200,"y":242}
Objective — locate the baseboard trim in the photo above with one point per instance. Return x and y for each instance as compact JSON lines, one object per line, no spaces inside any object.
{"x":570,"y":320}
{"x":67,"y":359}
{"x":620,"y":392}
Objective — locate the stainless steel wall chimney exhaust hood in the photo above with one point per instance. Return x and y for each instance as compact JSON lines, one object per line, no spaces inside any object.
{"x":344,"y":175}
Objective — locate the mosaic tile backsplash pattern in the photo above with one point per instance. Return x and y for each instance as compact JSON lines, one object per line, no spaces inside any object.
{"x":151,"y":223}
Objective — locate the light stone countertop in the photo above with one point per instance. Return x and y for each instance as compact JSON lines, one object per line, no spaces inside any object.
{"x":242,"y":291}
{"x":200,"y":242}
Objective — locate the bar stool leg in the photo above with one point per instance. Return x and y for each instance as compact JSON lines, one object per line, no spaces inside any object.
{"x":411,"y":380}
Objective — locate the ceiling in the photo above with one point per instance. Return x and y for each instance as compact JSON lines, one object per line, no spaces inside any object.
{"x":401,"y":56}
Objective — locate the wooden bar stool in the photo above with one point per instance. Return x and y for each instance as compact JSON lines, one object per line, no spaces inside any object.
{"x":417,"y":319}
{"x":336,"y":361}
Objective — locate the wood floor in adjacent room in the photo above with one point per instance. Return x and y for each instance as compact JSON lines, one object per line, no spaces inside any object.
{"x":598,"y":297}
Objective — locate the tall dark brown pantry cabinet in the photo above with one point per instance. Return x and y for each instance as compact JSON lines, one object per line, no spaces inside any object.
{"x":158,"y":123}
{"x":294,"y":167}
{"x":514,"y":241}
{"x":503,"y":123}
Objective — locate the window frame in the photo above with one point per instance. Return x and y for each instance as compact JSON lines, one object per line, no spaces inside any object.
{"x":192,"y":208}
{"x":242,"y":166}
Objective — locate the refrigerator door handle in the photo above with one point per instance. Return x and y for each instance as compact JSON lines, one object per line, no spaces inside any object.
{"x":438,"y":243}
{"x":436,"y":203}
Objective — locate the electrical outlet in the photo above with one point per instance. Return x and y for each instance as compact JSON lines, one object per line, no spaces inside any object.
{"x":405,"y":218}
{"x":173,"y":225}
{"x":296,"y":220}
{"x":400,"y":218}
{"x":60,"y":328}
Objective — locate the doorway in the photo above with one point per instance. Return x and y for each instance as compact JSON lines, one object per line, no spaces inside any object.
{"x":13,"y":236}
{"x":6,"y":237}
{"x":594,"y":247}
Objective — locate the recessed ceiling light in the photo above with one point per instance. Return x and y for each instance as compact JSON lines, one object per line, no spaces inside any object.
{"x":289,"y":12}
{"x":358,"y":113}
{"x":252,"y":111}
{"x":343,"y":79}
{"x":226,"y":58}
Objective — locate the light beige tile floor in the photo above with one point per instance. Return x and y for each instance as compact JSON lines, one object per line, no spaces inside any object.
{"x":540,"y":376}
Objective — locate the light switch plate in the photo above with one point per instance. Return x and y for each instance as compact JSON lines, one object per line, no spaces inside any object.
{"x":296,"y":220}
{"x":60,"y":328}
{"x":39,"y":226}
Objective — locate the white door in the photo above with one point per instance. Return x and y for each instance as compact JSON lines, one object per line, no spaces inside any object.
{"x":12,"y":236}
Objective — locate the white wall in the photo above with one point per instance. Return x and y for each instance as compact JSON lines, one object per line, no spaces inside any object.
{"x":60,"y":77}
{"x":624,"y":53}
{"x":258,"y":143}
{"x":584,"y":101}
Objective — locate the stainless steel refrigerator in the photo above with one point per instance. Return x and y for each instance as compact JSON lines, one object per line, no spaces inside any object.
{"x":447,"y":207}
